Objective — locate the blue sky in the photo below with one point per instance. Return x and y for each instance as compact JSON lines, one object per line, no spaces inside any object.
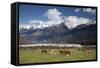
{"x":37,"y":12}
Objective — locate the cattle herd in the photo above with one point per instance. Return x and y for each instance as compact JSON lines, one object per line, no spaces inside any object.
{"x":55,"y":52}
{"x":61,"y":52}
{"x":51,"y":54}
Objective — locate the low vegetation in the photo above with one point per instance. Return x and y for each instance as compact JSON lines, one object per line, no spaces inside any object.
{"x":49,"y":54}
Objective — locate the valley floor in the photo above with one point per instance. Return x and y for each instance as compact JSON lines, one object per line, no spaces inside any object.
{"x":34,"y":55}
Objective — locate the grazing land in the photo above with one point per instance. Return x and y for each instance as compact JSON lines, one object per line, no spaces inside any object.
{"x":43,"y":54}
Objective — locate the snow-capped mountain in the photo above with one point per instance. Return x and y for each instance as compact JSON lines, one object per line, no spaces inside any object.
{"x":60,"y":33}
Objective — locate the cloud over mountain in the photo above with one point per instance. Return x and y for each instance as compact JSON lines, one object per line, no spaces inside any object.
{"x":73,"y":21}
{"x":89,"y":10}
{"x":54,"y":17}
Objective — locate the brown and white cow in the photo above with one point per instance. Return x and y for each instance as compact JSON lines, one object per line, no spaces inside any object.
{"x":65,"y":52}
{"x":88,"y":51}
{"x":44,"y":51}
{"x":53,"y":52}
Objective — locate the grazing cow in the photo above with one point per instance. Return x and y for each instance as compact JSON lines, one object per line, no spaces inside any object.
{"x":88,"y":51}
{"x":53,"y":52}
{"x":43,"y":51}
{"x":65,"y":52}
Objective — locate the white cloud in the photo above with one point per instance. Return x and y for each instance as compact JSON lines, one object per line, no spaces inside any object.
{"x":34,"y":24}
{"x":54,"y":16}
{"x":89,"y":10}
{"x":77,"y":10}
{"x":39,"y":23}
{"x":73,"y":21}
{"x":27,"y":26}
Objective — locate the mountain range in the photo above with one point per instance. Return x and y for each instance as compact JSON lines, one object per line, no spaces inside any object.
{"x":60,"y":34}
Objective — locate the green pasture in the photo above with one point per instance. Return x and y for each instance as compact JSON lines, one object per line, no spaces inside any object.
{"x":29,"y":55}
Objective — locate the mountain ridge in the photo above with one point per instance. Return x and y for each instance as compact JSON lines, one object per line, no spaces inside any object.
{"x":82,"y":34}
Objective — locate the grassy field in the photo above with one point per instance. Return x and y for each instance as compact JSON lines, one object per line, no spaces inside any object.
{"x":29,"y":55}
